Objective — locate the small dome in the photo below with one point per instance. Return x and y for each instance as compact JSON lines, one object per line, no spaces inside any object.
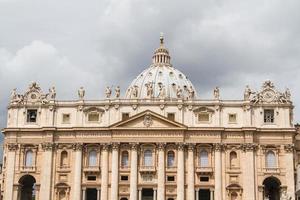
{"x":161,"y":80}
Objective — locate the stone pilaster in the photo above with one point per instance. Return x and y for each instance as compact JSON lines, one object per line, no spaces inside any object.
{"x":10,"y":171}
{"x":133,"y":172}
{"x":104,"y":172}
{"x":290,"y":179}
{"x":218,"y":171}
{"x":115,"y":172}
{"x":76,"y":190}
{"x":161,"y":172}
{"x":180,"y":172}
{"x":46,"y":171}
{"x":249,"y":184}
{"x":191,"y":173}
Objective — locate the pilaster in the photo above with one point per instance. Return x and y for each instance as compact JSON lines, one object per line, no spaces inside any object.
{"x":76,"y":194}
{"x":161,"y":172}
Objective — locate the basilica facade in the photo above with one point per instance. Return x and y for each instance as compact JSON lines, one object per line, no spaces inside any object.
{"x":158,"y":141}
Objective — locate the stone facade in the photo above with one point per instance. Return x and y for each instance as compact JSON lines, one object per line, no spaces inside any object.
{"x":160,"y":142}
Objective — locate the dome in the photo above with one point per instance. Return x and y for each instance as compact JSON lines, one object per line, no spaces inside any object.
{"x":161,"y":80}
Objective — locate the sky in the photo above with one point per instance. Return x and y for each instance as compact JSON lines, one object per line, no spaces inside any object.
{"x":94,"y":44}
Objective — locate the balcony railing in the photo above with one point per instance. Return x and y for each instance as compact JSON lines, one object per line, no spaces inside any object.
{"x":64,"y":168}
{"x":204,"y":170}
{"x":91,"y":169}
{"x":147,"y":169}
{"x":28,"y":168}
{"x":272,"y":170}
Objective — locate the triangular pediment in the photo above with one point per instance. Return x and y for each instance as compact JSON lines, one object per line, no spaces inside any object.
{"x":148,"y":120}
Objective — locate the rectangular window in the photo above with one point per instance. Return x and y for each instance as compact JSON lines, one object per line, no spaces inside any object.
{"x":268,"y":116}
{"x":232,"y":118}
{"x":32,"y":115}
{"x":203,"y":117}
{"x":124,"y":178}
{"x":125,"y":116}
{"x":66,"y":118}
{"x":170,"y":178}
{"x":204,"y":179}
{"x":171,"y":116}
{"x":91,"y":178}
{"x":93,"y":117}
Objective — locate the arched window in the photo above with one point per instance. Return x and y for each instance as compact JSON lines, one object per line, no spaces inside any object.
{"x":29,"y":158}
{"x":148,"y":158}
{"x":64,"y":159}
{"x":270,"y":160}
{"x":124,"y":159}
{"x":233,"y":159}
{"x":203,"y":160}
{"x":171,"y":159}
{"x":92,"y":158}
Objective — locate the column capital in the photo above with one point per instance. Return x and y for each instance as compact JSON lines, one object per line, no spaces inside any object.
{"x":161,"y":146}
{"x":105,"y":147}
{"x":249,"y":146}
{"x":12,"y":147}
{"x":218,"y":146}
{"x":134,"y":146}
{"x":115,"y":146}
{"x":77,"y":146}
{"x":180,"y":146}
{"x":289,"y":148}
{"x":191,"y":146}
{"x":48,"y":146}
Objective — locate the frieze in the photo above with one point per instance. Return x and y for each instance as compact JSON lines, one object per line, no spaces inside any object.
{"x":289,"y":148}
{"x":218,"y":146}
{"x":64,"y":146}
{"x":12,"y":147}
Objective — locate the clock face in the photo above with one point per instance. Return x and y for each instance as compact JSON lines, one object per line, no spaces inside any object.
{"x":269,"y":96}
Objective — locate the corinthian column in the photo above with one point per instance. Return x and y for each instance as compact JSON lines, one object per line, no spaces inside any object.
{"x":46,"y":171}
{"x":10,"y":171}
{"x":115,"y":172}
{"x":76,"y":194}
{"x":249,"y":177}
{"x":191,"y":173}
{"x":133,"y":172}
{"x":161,"y":172}
{"x":290,"y":179}
{"x":104,"y":173}
{"x":218,"y":171}
{"x":180,"y":172}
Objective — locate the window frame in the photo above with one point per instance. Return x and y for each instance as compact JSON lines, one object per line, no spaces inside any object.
{"x":272,"y":118}
{"x":28,"y":117}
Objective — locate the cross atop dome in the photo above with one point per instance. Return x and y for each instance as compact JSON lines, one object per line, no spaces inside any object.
{"x":161,"y":55}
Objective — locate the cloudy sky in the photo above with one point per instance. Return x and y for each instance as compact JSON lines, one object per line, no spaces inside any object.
{"x":72,"y":43}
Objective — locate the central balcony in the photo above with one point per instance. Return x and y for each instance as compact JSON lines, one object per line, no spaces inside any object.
{"x":28,"y":169}
{"x":204,"y":170}
{"x":91,"y":169}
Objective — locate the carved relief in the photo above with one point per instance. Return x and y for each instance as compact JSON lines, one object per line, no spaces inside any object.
{"x":77,"y":146}
{"x":161,"y":146}
{"x":249,"y":147}
{"x":12,"y":147}
{"x":48,"y":146}
{"x":218,"y":146}
{"x":148,"y":120}
{"x":289,"y":148}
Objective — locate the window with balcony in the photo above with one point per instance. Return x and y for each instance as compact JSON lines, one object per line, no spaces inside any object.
{"x":270,"y":159}
{"x":92,"y":161}
{"x":171,"y":159}
{"x":268,"y":116}
{"x":124,"y":159}
{"x":148,"y":158}
{"x":203,"y":158}
{"x":29,"y":158}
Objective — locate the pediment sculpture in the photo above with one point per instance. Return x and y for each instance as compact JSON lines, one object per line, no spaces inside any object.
{"x":34,"y":94}
{"x":268,"y":94}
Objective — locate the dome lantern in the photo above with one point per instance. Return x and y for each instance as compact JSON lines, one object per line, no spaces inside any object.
{"x":161,"y":54}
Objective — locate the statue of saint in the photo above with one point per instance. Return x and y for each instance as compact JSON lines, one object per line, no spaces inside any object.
{"x":217,"y":93}
{"x":117,"y":92}
{"x":247,"y":93}
{"x":287,"y":94}
{"x":108,"y":92}
{"x":179,"y":92}
{"x":52,"y":93}
{"x":191,"y":92}
{"x":149,"y":86}
{"x":135,"y":91}
{"x":162,"y":91}
{"x":81,"y":93}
